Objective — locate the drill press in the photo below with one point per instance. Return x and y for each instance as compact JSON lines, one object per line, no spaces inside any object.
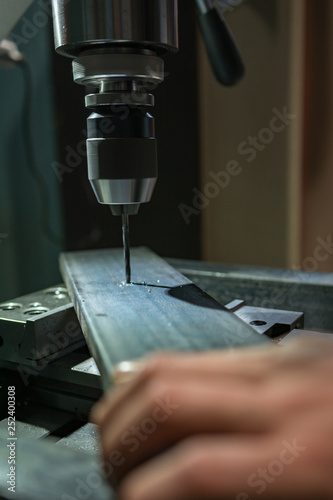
{"x":117,"y":48}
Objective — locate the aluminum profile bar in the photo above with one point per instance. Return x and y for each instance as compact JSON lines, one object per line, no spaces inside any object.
{"x":159,"y":310}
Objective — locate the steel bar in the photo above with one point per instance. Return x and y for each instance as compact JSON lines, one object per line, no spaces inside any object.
{"x":159,"y":310}
{"x":85,"y":439}
{"x":46,"y":471}
{"x":287,"y":289}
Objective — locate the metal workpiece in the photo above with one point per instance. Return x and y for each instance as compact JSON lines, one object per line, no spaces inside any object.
{"x":53,"y":472}
{"x":39,"y":422}
{"x":77,"y":399}
{"x":57,"y":451}
{"x":38,"y":326}
{"x":85,"y":439}
{"x":43,"y":353}
{"x":91,"y":24}
{"x":287,"y":289}
{"x":160,"y":309}
{"x":271,"y":322}
{"x":23,"y":429}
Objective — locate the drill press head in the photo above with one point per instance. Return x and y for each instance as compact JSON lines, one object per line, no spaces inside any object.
{"x":117,"y":47}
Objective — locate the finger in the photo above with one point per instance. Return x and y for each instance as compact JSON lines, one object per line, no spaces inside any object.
{"x":246,"y":364}
{"x":155,"y":420}
{"x":212,"y":468}
{"x":125,"y":374}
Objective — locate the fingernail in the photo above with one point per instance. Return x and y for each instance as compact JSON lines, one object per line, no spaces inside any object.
{"x":126,"y":370}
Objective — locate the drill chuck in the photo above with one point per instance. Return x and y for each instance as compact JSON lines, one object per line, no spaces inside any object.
{"x":122,"y":157}
{"x":116,"y":48}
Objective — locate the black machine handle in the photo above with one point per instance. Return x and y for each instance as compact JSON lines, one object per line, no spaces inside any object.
{"x":221,"y":47}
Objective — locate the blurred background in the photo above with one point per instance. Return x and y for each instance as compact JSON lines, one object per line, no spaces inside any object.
{"x":245,"y":173}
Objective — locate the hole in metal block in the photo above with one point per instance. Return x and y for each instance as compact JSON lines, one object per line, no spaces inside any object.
{"x":34,"y":311}
{"x":57,"y":292}
{"x":10,"y":306}
{"x":258,"y":323}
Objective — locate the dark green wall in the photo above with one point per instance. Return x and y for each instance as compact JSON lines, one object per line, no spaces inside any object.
{"x":28,"y":260}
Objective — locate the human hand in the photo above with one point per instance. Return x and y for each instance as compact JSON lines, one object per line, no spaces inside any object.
{"x":234,"y":425}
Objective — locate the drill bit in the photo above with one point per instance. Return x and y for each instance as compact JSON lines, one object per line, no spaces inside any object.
{"x":125,"y":226}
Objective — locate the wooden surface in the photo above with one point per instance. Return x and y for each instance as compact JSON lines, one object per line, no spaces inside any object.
{"x":161,"y":309}
{"x":253,"y":217}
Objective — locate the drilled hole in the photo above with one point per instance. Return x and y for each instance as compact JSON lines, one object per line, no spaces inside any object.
{"x":258,"y":323}
{"x":10,"y":306}
{"x":58,"y":292}
{"x":35,"y":311}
